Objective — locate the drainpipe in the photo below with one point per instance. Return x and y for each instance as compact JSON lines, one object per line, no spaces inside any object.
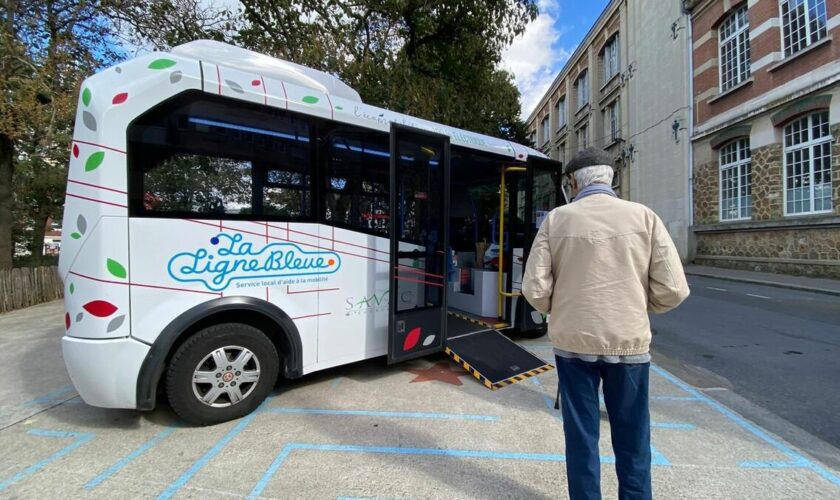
{"x":690,"y":44}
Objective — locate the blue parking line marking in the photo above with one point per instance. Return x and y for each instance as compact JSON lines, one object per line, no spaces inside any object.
{"x":80,"y":438}
{"x":387,"y":414}
{"x":657,"y":458}
{"x":52,"y":396}
{"x":772,"y":464}
{"x":675,"y":398}
{"x":212,"y":452}
{"x":751,"y":428}
{"x":672,"y":425}
{"x":119,"y":465}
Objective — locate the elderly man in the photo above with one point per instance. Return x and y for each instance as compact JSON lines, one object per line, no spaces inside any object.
{"x":598,"y":266}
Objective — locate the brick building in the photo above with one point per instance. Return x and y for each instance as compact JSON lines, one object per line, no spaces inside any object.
{"x":766,"y":156}
{"x":626,"y":89}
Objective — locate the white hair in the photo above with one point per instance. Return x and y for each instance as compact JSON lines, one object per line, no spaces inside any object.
{"x":602,"y":174}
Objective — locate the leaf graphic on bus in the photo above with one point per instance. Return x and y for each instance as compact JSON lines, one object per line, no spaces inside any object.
{"x":428,"y":341}
{"x":66,"y":321}
{"x":116,"y":323}
{"x":89,"y":120}
{"x":75,"y":151}
{"x":161,"y":64}
{"x":120,"y":98}
{"x":94,"y":161}
{"x":116,"y":269}
{"x":86,"y":95}
{"x":81,"y":223}
{"x":234,"y":86}
{"x":310,"y":99}
{"x":411,"y":339}
{"x":72,"y":288}
{"x":100,"y":308}
{"x":80,"y":316}
{"x":175,"y":76}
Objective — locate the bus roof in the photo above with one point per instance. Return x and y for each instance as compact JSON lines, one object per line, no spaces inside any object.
{"x":325,"y":95}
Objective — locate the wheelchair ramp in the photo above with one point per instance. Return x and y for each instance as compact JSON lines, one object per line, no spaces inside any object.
{"x":495,"y":360}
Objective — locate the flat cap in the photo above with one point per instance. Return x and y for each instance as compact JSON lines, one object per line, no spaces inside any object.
{"x":588,"y":157}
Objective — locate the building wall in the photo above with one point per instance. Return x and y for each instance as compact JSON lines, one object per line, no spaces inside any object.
{"x":651,"y":89}
{"x":777,"y":91}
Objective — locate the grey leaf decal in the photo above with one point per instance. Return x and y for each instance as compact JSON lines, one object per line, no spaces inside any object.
{"x":89,"y":120}
{"x":118,"y":69}
{"x":234,"y":86}
{"x":429,"y":340}
{"x":79,"y":317}
{"x":175,"y":76}
{"x":116,"y":323}
{"x":81,"y":224}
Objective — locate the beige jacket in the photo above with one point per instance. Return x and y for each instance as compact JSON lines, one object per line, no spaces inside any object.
{"x":597,"y":266}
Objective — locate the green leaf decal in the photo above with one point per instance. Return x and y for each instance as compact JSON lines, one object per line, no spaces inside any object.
{"x":116,"y":269}
{"x":94,"y":161}
{"x":72,"y":288}
{"x":161,"y":64}
{"x":75,"y":235}
{"x":86,"y":96}
{"x":310,"y":99}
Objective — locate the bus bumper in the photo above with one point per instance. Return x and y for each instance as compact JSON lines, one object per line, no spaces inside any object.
{"x":105,"y":371}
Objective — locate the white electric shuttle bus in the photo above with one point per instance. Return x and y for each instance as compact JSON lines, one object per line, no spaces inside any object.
{"x":233,"y":218}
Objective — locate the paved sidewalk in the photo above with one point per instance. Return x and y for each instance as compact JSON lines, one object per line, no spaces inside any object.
{"x":819,"y":285}
{"x":365,"y":430}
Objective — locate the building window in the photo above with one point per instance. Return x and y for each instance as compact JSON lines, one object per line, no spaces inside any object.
{"x":582,"y":89}
{"x":561,"y":152}
{"x":735,"y":180}
{"x":560,"y":110}
{"x":611,"y":59}
{"x":544,"y":126}
{"x":803,"y":23}
{"x":734,"y":46}
{"x":612,"y":121}
{"x":583,"y":137}
{"x":808,"y":165}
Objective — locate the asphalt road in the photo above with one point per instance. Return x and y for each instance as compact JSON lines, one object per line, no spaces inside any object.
{"x":777,"y":348}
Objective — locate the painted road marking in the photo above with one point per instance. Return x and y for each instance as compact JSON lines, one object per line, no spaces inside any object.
{"x":80,"y":438}
{"x":758,"y":296}
{"x":796,"y":459}
{"x":119,"y":465}
{"x":386,"y":414}
{"x":717,"y":289}
{"x":656,"y":457}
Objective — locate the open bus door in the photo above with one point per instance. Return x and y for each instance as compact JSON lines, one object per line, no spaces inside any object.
{"x":488,"y":354}
{"x":419,"y":203}
{"x":543,"y":193}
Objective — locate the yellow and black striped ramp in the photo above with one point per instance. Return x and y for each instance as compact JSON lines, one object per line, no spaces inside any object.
{"x":493,"y":359}
{"x":478,"y":321}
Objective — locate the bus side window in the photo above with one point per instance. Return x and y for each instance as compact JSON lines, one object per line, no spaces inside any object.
{"x":356,"y":184}
{"x":201,"y":157}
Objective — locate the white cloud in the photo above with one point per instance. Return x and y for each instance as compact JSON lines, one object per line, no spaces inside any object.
{"x":534,"y":58}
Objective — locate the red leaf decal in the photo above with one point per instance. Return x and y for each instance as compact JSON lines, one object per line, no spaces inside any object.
{"x":75,"y":151}
{"x":66,"y":321}
{"x":256,"y":83}
{"x":411,"y":339}
{"x":100,"y":308}
{"x":120,"y":98}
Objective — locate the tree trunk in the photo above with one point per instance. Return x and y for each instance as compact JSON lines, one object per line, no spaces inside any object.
{"x":6,"y":201}
{"x":37,"y":243}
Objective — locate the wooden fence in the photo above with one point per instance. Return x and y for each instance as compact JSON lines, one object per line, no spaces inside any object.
{"x":27,"y":286}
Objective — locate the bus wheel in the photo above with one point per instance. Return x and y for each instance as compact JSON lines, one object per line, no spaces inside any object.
{"x":221,"y":373}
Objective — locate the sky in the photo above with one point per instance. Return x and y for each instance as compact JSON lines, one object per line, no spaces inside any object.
{"x":539,"y":54}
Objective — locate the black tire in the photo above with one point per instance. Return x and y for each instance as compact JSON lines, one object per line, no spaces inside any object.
{"x":184,"y":396}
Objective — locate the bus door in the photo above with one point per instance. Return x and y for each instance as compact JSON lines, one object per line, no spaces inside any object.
{"x":543,"y":192}
{"x":419,"y":232}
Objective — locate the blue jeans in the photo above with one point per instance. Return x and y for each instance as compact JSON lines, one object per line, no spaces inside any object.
{"x":626,"y":398}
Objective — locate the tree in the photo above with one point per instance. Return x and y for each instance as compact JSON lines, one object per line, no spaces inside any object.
{"x":47,"y":47}
{"x":435,"y":60}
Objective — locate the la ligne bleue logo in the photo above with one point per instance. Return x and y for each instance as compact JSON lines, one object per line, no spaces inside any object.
{"x":229,"y":258}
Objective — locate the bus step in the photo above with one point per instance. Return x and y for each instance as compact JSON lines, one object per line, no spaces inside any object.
{"x":493,"y":359}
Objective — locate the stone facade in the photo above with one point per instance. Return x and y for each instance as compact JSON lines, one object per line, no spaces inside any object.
{"x":706,"y":193}
{"x":767,"y":182}
{"x":808,"y":245}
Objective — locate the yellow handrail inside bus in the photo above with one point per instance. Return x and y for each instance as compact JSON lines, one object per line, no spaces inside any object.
{"x":502,"y":292}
